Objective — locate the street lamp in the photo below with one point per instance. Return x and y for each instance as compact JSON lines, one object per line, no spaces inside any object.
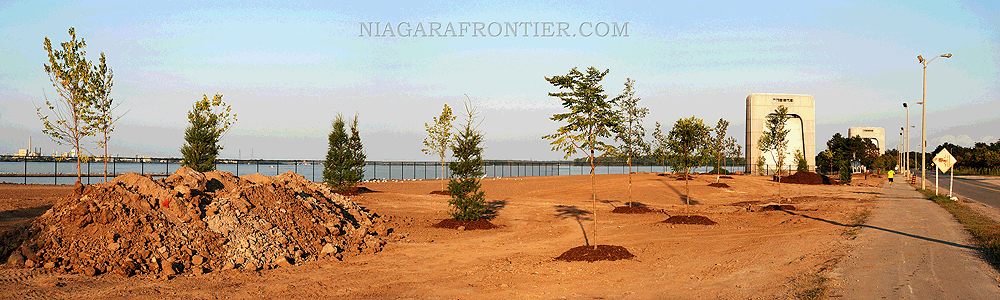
{"x":923,"y":121}
{"x":906,"y":136}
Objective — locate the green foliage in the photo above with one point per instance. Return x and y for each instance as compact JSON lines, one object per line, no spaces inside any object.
{"x":102,"y":80}
{"x":800,"y":160}
{"x":345,"y":157}
{"x":845,"y":172}
{"x":629,"y":131}
{"x":841,"y":149}
{"x":73,"y":113}
{"x":590,"y":117}
{"x":719,"y":147}
{"x":662,"y":150}
{"x":209,"y":120}
{"x":439,"y":136}
{"x":356,"y":163}
{"x":468,"y":203}
{"x":687,"y":141}
{"x":980,"y":156}
{"x":774,"y":139}
{"x":761,"y":164}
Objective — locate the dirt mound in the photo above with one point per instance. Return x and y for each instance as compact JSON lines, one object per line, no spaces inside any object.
{"x":718,"y":184}
{"x":632,"y":210}
{"x":192,"y":222}
{"x":773,"y":207}
{"x":588,"y":253}
{"x":481,"y":224}
{"x":695,"y":220}
{"x":446,"y":193}
{"x":808,"y":178}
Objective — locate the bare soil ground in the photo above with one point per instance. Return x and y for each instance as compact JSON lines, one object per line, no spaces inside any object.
{"x":750,"y":253}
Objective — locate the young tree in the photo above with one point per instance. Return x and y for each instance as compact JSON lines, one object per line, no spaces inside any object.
{"x":590,"y":119}
{"x":102,"y":80}
{"x":439,"y":136}
{"x":336,"y":168}
{"x":800,"y":161}
{"x":356,"y":164}
{"x":467,"y":201}
{"x":775,"y":140}
{"x":629,"y":131}
{"x":662,"y":151}
{"x":735,"y":151}
{"x":687,"y":141}
{"x":69,"y":71}
{"x":718,"y":147}
{"x":209,"y":121}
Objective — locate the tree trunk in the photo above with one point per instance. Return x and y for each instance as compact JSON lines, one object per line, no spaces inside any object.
{"x":593,"y":192}
{"x":629,"y":181}
{"x":105,"y":157}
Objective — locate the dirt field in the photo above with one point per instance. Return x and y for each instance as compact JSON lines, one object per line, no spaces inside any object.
{"x":748,"y":254}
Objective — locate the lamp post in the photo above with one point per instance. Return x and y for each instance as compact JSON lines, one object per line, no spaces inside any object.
{"x":923,"y":121}
{"x":906,"y":139}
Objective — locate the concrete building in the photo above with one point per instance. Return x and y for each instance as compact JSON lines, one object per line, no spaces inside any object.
{"x":876,"y":135}
{"x":802,"y":126}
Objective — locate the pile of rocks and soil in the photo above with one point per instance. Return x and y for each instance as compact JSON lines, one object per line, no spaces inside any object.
{"x":806,"y":177}
{"x":192,"y":222}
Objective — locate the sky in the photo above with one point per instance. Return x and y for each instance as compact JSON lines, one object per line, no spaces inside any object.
{"x":289,"y":67}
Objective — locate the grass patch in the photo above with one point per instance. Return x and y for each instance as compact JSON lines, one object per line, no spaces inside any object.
{"x":810,"y":286}
{"x":856,"y":221}
{"x":985,"y":230}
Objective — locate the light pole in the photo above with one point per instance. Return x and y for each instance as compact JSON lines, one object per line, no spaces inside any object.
{"x":906,"y":138}
{"x":923,"y":121}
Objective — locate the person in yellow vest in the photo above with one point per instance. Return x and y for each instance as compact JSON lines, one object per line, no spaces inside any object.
{"x":891,"y":172}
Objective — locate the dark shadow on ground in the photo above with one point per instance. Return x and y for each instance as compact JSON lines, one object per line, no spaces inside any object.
{"x":24,"y":213}
{"x":493,"y":208}
{"x":887,"y":230}
{"x":571,"y":211}
{"x":678,"y":192}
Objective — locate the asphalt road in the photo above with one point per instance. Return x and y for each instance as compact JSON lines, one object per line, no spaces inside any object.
{"x":911,"y":248}
{"x":982,"y":189}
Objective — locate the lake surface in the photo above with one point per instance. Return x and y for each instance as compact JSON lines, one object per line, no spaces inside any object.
{"x":312,"y":171}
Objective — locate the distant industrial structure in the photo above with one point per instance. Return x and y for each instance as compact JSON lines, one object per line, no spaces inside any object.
{"x":875,"y":135}
{"x":801,"y":123}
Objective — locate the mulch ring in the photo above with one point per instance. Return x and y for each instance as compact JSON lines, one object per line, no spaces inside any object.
{"x":718,"y":184}
{"x":693,"y":220}
{"x":588,"y":253}
{"x":446,"y":193}
{"x":634,"y":209}
{"x":481,"y":224}
{"x":354,"y":191}
{"x":773,"y":207}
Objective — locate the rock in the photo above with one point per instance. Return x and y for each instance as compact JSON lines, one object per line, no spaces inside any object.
{"x":49,"y":265}
{"x":126,"y":268}
{"x":328,"y":249}
{"x":15,"y":260}
{"x":228,"y":266}
{"x":113,"y":246}
{"x":182,"y":190}
{"x":197,"y":260}
{"x":88,"y":270}
{"x":167,"y":267}
{"x":461,"y":228}
{"x":284,"y":261}
{"x":29,"y":263}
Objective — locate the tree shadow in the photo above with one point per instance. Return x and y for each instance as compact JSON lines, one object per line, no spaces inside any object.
{"x":943,"y":242}
{"x":571,"y":211}
{"x":493,"y":209}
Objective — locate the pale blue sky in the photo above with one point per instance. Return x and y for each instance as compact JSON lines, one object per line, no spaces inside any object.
{"x":288,"y":67}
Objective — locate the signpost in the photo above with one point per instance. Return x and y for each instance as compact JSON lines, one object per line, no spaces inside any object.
{"x":944,"y":162}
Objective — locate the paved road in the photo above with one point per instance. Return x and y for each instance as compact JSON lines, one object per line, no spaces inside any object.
{"x":982,"y":189}
{"x":911,"y":248}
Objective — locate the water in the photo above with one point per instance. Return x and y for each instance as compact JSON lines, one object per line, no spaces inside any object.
{"x":311,"y":170}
